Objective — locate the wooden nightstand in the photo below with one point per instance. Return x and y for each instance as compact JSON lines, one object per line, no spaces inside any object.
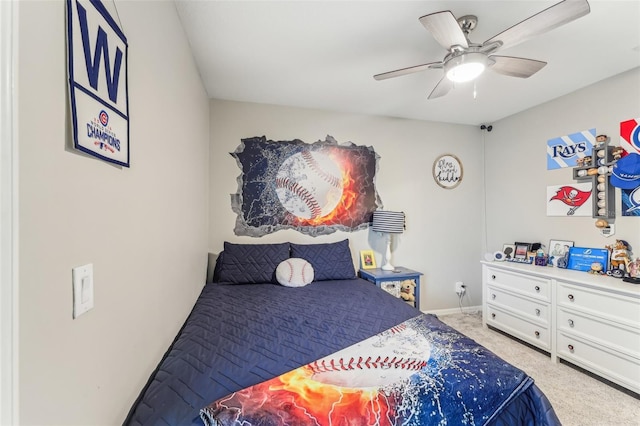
{"x":390,"y":280}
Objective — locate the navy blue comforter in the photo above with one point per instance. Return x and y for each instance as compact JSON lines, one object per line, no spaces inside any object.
{"x":241,"y":335}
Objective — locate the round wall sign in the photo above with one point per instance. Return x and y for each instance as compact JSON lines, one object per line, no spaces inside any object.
{"x":447,"y":171}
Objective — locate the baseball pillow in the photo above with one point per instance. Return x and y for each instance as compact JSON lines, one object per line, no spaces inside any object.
{"x":294,"y":272}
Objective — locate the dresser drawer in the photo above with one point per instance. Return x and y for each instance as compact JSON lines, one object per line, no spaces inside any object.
{"x":614,"y":366}
{"x":624,"y":337}
{"x":534,"y":286}
{"x":534,"y":309}
{"x":521,"y":328}
{"x":605,"y":305}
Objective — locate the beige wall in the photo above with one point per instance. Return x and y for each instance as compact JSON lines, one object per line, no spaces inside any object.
{"x":516,"y":167}
{"x":446,"y":234}
{"x":444,"y":227}
{"x":146,"y":230}
{"x":143,"y":228}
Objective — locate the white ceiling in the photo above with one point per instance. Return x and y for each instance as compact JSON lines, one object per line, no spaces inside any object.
{"x":323,"y":54}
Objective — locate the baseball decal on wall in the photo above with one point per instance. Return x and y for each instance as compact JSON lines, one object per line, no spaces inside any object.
{"x":309,"y":184}
{"x":315,"y":188}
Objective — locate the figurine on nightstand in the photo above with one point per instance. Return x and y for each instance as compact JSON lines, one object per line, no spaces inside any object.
{"x":407,"y":291}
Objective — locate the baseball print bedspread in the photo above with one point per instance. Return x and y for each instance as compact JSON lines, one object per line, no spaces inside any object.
{"x":420,"y":372}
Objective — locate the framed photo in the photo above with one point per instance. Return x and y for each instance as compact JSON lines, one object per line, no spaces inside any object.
{"x":521,"y":250}
{"x":509,"y":251}
{"x":558,"y":249}
{"x":367,"y":259}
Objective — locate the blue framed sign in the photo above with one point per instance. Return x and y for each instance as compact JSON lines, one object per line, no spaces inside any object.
{"x":564,"y":151}
{"x":581,"y":258}
{"x":99,"y":93}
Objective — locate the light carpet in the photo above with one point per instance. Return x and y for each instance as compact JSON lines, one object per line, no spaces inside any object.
{"x":577,"y":398}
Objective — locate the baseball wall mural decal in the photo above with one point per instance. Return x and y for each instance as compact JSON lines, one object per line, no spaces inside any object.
{"x":309,"y":184}
{"x":316,"y":188}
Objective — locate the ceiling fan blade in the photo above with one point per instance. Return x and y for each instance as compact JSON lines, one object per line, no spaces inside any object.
{"x":408,"y":70}
{"x":516,"y":67}
{"x":445,"y":29}
{"x":442,"y":88}
{"x":546,"y":20}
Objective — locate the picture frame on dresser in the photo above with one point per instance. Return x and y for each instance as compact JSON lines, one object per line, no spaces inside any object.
{"x":509,"y":251}
{"x":521,"y":251}
{"x":557,"y":250}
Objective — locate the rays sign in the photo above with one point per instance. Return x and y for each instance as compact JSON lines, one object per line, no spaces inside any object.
{"x":97,"y":55}
{"x":564,"y":151}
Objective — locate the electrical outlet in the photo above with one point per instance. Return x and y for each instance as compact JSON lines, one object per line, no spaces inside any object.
{"x":460,"y":288}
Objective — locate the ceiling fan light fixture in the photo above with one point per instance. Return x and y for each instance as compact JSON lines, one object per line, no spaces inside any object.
{"x":465,"y":67}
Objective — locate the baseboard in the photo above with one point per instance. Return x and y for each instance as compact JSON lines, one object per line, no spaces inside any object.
{"x":466,"y":309}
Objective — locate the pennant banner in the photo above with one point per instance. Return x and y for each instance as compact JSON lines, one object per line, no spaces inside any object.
{"x":570,"y":200}
{"x":98,"y":82}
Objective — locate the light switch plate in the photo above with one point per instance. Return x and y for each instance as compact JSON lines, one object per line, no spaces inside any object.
{"x":82,"y":289}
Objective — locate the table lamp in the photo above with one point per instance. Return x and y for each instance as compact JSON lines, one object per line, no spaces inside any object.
{"x":388,"y":222}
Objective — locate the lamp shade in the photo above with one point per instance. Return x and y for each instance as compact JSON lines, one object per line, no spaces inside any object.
{"x":388,"y":222}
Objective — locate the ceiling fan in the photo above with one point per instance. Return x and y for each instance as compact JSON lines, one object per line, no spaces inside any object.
{"x":467,"y":60}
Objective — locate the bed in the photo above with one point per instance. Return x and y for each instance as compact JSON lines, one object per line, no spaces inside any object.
{"x":263,"y":346}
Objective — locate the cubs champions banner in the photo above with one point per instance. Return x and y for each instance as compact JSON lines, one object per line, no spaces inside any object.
{"x":97,"y":54}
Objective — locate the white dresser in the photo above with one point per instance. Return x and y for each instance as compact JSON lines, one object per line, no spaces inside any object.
{"x":592,"y":321}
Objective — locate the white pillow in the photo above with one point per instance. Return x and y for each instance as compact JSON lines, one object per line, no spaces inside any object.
{"x":294,"y":272}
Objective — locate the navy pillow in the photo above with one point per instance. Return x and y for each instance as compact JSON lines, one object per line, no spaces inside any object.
{"x":250,"y":263}
{"x":330,"y":261}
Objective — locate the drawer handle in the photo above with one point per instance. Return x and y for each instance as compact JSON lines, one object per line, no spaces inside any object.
{"x":570,"y":297}
{"x":538,"y":289}
{"x":570,"y":347}
{"x":538,"y":312}
{"x":493,"y":316}
{"x":493,"y":277}
{"x":570,"y":323}
{"x":537,"y":333}
{"x":493,"y":296}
